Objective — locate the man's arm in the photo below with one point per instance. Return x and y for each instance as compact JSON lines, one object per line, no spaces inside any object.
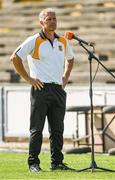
{"x":67,"y":71}
{"x":19,"y":67}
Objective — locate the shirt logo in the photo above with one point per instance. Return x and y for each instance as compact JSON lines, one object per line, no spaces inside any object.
{"x":60,"y":48}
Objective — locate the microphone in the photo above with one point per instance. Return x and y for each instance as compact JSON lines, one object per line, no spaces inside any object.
{"x":70,"y":35}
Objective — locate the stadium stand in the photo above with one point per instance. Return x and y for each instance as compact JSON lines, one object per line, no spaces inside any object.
{"x":90,"y":20}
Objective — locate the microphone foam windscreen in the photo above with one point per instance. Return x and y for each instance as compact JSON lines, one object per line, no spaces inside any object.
{"x":68,"y":35}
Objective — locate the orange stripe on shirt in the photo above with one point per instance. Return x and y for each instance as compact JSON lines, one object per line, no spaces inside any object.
{"x":39,"y":40}
{"x":63,"y":40}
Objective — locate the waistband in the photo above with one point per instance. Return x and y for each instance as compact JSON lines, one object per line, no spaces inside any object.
{"x":53,"y":84}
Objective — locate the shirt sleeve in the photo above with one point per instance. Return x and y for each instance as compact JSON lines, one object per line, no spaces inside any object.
{"x":69,"y":52}
{"x":25,"y":48}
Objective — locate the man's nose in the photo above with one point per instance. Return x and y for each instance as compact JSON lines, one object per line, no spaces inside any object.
{"x":53,"y":20}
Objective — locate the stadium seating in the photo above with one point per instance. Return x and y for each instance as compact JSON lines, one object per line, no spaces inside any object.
{"x":90,"y":20}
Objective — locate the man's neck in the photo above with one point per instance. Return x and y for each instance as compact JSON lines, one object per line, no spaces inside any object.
{"x":49,"y":34}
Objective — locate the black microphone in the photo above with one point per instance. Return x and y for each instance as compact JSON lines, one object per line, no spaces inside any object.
{"x":70,"y":35}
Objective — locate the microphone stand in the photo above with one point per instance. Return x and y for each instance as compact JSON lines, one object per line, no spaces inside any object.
{"x":93,"y":164}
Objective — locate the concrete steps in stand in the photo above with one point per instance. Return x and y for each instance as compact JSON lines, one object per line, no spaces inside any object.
{"x":93,"y":21}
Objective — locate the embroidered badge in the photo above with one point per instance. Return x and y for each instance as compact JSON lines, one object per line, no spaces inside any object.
{"x":60,"y":48}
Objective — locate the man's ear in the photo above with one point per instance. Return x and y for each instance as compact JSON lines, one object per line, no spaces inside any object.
{"x":41,"y":22}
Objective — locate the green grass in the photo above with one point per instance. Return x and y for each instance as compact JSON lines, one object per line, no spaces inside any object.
{"x":14,"y":166}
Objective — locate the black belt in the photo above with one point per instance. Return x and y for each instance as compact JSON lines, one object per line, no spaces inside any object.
{"x":53,"y":84}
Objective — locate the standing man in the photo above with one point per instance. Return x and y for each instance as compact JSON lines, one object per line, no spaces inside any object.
{"x":49,"y":73}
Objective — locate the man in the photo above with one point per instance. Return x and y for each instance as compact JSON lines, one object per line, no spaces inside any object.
{"x":46,"y":52}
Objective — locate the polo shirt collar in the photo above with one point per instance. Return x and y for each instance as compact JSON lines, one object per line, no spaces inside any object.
{"x":43,"y":36}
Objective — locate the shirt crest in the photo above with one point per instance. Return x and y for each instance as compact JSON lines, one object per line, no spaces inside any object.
{"x":60,"y":48}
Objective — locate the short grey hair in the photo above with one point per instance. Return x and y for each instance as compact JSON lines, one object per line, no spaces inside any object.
{"x":44,"y":12}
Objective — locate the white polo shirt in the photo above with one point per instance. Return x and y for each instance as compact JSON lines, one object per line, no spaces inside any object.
{"x":46,"y":60}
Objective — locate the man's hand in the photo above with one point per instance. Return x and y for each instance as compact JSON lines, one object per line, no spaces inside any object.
{"x":36,"y":83}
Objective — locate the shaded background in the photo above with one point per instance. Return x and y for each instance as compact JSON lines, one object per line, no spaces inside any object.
{"x":90,"y":20}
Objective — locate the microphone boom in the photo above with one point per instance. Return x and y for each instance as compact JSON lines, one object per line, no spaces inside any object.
{"x":71,"y":35}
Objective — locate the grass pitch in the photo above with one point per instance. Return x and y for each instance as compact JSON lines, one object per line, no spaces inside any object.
{"x":14,"y":166}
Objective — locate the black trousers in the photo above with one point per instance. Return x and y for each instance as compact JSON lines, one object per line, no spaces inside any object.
{"x":50,"y":102}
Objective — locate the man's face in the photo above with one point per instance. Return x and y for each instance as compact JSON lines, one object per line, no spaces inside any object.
{"x":49,"y":23}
